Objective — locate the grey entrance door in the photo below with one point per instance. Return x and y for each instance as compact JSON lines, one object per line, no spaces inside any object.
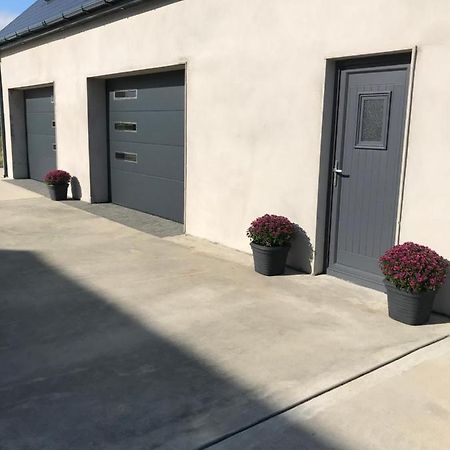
{"x":146,"y":143}
{"x":40,"y":123}
{"x":366,"y":170}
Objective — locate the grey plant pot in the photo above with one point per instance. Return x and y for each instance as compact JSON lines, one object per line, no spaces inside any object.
{"x":58,"y":191}
{"x":412,"y":309}
{"x":269,"y":260}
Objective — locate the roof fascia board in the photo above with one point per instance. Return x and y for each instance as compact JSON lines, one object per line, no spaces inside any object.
{"x":90,"y":11}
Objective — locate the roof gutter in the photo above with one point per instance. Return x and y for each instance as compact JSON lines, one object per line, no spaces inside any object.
{"x":65,"y":20}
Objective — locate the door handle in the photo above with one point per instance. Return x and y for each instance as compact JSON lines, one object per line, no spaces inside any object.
{"x":336,"y":172}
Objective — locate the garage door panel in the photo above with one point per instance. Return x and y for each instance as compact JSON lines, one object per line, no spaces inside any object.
{"x":164,"y":127}
{"x":165,"y":92}
{"x":42,"y":158}
{"x":39,"y":100}
{"x":39,"y":115}
{"x":39,"y":167}
{"x":164,"y":161}
{"x":169,"y":99}
{"x":40,"y":123}
{"x":153,"y":195}
{"x":43,"y":143}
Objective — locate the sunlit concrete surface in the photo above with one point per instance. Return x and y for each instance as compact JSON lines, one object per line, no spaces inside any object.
{"x":403,"y":406}
{"x":113,"y":338}
{"x":10,"y":192}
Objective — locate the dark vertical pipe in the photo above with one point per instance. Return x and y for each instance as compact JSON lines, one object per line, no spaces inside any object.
{"x":2,"y":127}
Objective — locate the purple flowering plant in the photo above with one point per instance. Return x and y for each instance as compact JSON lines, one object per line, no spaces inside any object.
{"x":57,"y":177}
{"x":271,"y":231}
{"x":413,"y":268}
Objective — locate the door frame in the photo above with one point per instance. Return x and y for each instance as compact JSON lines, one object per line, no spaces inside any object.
{"x":14,"y":131}
{"x":98,"y":144}
{"x":405,"y":58}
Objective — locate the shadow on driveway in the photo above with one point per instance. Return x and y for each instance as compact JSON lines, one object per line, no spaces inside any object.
{"x":78,"y":373}
{"x":156,"y":226}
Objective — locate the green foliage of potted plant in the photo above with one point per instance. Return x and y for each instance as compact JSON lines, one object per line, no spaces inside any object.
{"x":270,"y":237}
{"x":413,"y":274}
{"x":57,"y":182}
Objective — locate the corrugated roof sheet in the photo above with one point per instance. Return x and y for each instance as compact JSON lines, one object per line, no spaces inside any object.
{"x":44,"y":13}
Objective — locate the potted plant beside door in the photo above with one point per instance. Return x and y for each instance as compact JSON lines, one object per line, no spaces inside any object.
{"x":57,"y":182}
{"x":413,"y":274}
{"x":270,"y":237}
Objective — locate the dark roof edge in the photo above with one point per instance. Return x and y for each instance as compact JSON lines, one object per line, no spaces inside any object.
{"x":65,"y":19}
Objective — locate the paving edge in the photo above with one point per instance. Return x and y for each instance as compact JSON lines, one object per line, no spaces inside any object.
{"x":319,"y":393}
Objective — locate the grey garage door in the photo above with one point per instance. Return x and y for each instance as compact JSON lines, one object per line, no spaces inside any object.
{"x":40,"y":123}
{"x":146,"y":143}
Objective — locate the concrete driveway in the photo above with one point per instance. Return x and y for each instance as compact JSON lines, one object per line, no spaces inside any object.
{"x":112,"y":338}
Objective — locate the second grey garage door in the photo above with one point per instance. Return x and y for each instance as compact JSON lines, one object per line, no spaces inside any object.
{"x":146,"y":143}
{"x":40,"y":123}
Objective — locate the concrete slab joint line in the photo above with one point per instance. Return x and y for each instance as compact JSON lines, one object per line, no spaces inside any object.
{"x":320,"y":393}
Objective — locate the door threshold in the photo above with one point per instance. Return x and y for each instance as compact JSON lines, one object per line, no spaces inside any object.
{"x":365,"y":279}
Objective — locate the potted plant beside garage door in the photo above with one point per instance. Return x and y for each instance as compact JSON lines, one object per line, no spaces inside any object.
{"x":270,"y":237}
{"x":57,"y":182}
{"x":413,"y":274}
